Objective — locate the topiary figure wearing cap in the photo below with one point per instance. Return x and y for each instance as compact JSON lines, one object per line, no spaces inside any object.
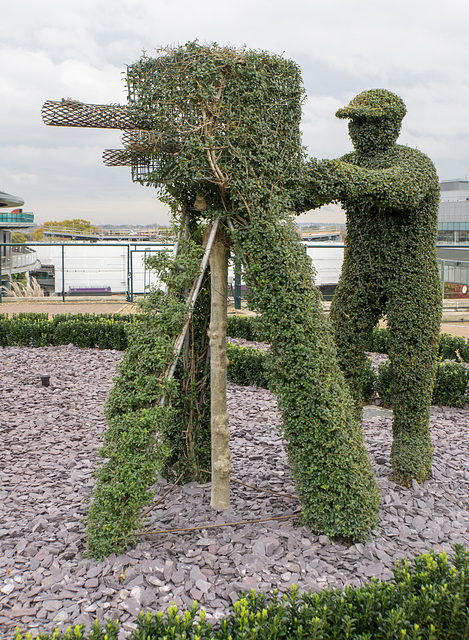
{"x":390,"y":194}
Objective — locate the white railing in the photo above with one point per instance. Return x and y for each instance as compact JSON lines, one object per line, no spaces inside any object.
{"x":19,"y":258}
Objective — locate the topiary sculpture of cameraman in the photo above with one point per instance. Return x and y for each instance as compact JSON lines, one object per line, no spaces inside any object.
{"x":391,"y":194}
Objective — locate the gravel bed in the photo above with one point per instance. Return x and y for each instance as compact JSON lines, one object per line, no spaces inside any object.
{"x":49,"y":437}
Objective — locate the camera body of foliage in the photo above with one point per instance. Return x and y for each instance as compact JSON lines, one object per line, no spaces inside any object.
{"x":427,"y":600}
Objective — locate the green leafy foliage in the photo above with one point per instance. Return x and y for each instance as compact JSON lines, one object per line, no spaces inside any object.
{"x":246,"y":327}
{"x":449,"y":347}
{"x":451,"y":384}
{"x":391,"y":195}
{"x":217,"y":132}
{"x":221,"y":126}
{"x":379,"y":340}
{"x":155,"y":424}
{"x":427,"y":600}
{"x":247,"y":366}
{"x":318,"y":417}
{"x":450,"y":388}
{"x":453,"y":348}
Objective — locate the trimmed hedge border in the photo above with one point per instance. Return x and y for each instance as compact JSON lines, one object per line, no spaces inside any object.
{"x":247,"y":327}
{"x":450,"y":347}
{"x":247,"y":364}
{"x":104,"y":331}
{"x":427,"y":600}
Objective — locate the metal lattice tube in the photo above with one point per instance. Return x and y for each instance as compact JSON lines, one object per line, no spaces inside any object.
{"x":72,"y":113}
{"x":118,"y":158}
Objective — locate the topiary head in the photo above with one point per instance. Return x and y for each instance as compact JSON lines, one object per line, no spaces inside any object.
{"x":375,"y":120}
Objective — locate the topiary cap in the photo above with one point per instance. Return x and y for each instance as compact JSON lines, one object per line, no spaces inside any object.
{"x":375,"y":103}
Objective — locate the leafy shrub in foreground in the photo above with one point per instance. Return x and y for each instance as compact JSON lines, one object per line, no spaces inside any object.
{"x":428,"y":600}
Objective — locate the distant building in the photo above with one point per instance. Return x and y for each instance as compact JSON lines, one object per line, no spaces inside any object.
{"x":453,"y":216}
{"x":320,"y":236}
{"x":453,"y":231}
{"x":18,"y":259}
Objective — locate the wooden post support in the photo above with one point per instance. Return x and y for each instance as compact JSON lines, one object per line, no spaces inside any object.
{"x":221,"y":456}
{"x":190,"y":306}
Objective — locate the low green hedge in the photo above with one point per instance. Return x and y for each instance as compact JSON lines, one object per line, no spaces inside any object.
{"x":450,"y":348}
{"x":104,"y":331}
{"x":427,"y":600}
{"x":247,"y":327}
{"x":246,"y":364}
{"x":454,"y":348}
{"x":451,"y":384}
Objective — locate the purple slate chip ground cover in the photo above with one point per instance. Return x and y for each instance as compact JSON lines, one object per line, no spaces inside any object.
{"x":49,"y":438}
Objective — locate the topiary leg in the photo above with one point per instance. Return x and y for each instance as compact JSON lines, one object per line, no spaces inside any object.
{"x":353,"y":316}
{"x":413,"y":349}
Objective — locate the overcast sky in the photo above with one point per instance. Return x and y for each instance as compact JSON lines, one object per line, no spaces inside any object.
{"x":52,"y":49}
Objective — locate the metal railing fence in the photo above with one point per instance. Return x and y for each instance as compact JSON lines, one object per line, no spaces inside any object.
{"x":136,"y":279}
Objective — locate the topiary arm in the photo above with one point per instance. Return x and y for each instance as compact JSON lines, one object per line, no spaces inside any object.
{"x":401,"y":187}
{"x":318,"y":186}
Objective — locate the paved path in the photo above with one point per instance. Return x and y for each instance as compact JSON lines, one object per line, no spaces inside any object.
{"x":53,"y":308}
{"x":456,"y":328}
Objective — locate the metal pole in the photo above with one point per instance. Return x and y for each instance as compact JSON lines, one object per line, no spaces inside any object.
{"x":63,"y":272}
{"x":1,"y":297}
{"x":443,"y":277}
{"x":127,"y":293}
{"x":131,"y":276}
{"x":237,"y":286}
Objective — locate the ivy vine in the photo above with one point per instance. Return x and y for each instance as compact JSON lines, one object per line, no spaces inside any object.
{"x":155,"y":425}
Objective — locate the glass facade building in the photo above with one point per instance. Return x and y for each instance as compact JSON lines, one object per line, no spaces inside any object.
{"x":453,"y":215}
